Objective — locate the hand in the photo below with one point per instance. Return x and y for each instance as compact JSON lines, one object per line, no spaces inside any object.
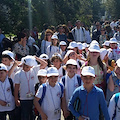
{"x":17,"y":102}
{"x":43,"y":116}
{"x":3,"y":103}
{"x":66,"y":113}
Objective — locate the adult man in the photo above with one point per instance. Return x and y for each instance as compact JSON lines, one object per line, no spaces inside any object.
{"x":79,"y":32}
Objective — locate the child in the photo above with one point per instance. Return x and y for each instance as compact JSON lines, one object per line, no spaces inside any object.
{"x":25,"y":80}
{"x":53,"y":48}
{"x":50,"y":108}
{"x":89,"y":97}
{"x":7,"y":102}
{"x":70,"y":81}
{"x":57,"y":62}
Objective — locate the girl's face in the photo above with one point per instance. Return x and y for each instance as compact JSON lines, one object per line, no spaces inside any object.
{"x":57,"y":63}
{"x":63,"y":47}
{"x":88,"y":81}
{"x":72,"y":55}
{"x":52,"y":80}
{"x":6,"y":61}
{"x":94,"y":55}
{"x":113,"y":45}
{"x":42,"y":79}
{"x":117,"y":70}
{"x":48,"y":35}
{"x":54,"y":42}
{"x":3,"y":75}
{"x":26,"y":68}
{"x":71,"y":70}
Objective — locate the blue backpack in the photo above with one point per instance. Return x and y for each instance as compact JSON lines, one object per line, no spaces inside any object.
{"x":116,"y":101}
{"x":78,"y":79}
{"x":44,"y":91}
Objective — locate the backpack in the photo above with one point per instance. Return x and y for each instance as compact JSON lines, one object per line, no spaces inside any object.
{"x":44,"y":92}
{"x":116,"y":101}
{"x":11,"y":84}
{"x":78,"y":79}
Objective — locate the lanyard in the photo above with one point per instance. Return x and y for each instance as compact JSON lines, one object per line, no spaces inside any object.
{"x":3,"y":89}
{"x":28,"y":80}
{"x":86,"y":103}
{"x":52,"y":97}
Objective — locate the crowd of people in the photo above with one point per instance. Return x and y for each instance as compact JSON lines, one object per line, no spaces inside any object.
{"x":75,"y":69}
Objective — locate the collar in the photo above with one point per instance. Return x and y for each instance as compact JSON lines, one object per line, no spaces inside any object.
{"x":93,"y":89}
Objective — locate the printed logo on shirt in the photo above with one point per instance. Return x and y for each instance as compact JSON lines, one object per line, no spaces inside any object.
{"x":8,"y":89}
{"x":32,"y":77}
{"x":58,"y":94}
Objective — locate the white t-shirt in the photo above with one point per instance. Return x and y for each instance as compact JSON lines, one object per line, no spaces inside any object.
{"x":27,"y":81}
{"x":31,"y":40}
{"x":6,"y":95}
{"x":60,"y":71}
{"x":52,"y":98}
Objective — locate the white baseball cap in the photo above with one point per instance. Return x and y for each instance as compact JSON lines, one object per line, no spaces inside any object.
{"x":85,"y":45}
{"x":118,"y":62}
{"x":80,"y":46}
{"x":69,"y":51}
{"x":9,"y":53}
{"x":52,"y":71}
{"x":106,"y":43}
{"x":94,"y":42}
{"x":29,"y":60}
{"x":103,"y":53}
{"x":94,"y":48}
{"x":113,"y":40}
{"x":62,"y":43}
{"x":3,"y":67}
{"x":72,"y":45}
{"x":88,"y":70}
{"x":44,"y":56}
{"x":71,"y":62}
{"x":42,"y":72}
{"x":54,"y":37}
{"x":57,"y":54}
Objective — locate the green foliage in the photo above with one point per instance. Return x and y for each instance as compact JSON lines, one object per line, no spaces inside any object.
{"x":15,"y":13}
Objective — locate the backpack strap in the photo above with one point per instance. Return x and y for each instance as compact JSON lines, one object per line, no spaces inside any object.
{"x":43,"y":94}
{"x":79,"y":80}
{"x":63,"y":70}
{"x":61,"y":89}
{"x":63,"y":80}
{"x":116,"y":101}
{"x":50,"y":47}
{"x":11,"y":84}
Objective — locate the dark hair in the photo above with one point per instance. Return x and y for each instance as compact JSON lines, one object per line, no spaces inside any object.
{"x":56,"y":57}
{"x":21,"y":35}
{"x":6,"y":56}
{"x":71,"y":64}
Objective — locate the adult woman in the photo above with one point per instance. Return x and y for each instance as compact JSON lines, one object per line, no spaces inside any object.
{"x":47,"y":41}
{"x":20,"y":48}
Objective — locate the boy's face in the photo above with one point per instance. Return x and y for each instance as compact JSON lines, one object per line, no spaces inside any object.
{"x":57,"y":63}
{"x":52,"y":80}
{"x":63,"y":47}
{"x":113,"y":45}
{"x":6,"y":61}
{"x":71,"y":70}
{"x":42,"y":79}
{"x":26,"y":68}
{"x":117,"y":70}
{"x":3,"y":75}
{"x":88,"y":81}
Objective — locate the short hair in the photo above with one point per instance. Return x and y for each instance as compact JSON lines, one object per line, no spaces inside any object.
{"x":21,"y":35}
{"x":71,"y":64}
{"x":56,"y":57}
{"x":6,"y":56}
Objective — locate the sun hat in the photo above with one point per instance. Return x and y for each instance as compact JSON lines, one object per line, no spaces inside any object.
{"x":52,"y":71}
{"x":94,"y":48}
{"x":42,"y":72}
{"x":106,"y":43}
{"x":54,"y":37}
{"x":3,"y":67}
{"x":80,"y":46}
{"x":29,"y":60}
{"x":62,"y":43}
{"x":113,"y":40}
{"x":9,"y":53}
{"x":88,"y":70}
{"x":118,"y":62}
{"x":71,"y":62}
{"x":72,"y":45}
{"x":44,"y":56}
{"x":103,"y":53}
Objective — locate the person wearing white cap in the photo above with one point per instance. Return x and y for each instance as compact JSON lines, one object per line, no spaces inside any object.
{"x":53,"y":48}
{"x":87,"y":99}
{"x":73,"y":46}
{"x":70,"y":81}
{"x":56,"y":60}
{"x":52,"y":97}
{"x":106,"y":44}
{"x":7,"y":102}
{"x":113,"y":82}
{"x":25,"y":80}
{"x":114,"y":52}
{"x":100,"y":68}
{"x":63,"y":47}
